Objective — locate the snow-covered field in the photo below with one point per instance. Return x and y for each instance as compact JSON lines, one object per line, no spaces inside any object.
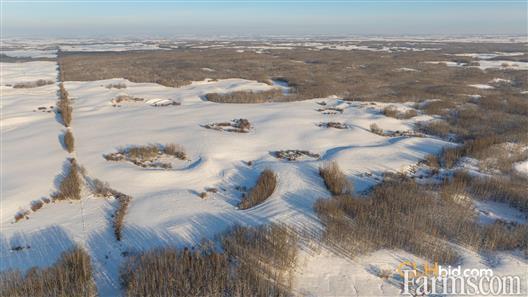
{"x":166,"y":208}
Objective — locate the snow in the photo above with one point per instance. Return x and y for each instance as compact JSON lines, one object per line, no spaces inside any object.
{"x":521,"y":167}
{"x":490,"y":211}
{"x":28,"y":72}
{"x":500,"y":81}
{"x":31,"y":53}
{"x":487,"y":64}
{"x":482,"y":86}
{"x":490,"y":56}
{"x":115,"y":47}
{"x":324,"y":273}
{"x":405,"y":69}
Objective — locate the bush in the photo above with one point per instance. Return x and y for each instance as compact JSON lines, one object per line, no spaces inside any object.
{"x":265,"y":186}
{"x":102,"y":189}
{"x":33,"y":84}
{"x":64,"y":106}
{"x":142,"y":153}
{"x":116,"y":86}
{"x":36,"y":205}
{"x":70,"y":186}
{"x":400,"y":214}
{"x":71,"y":275}
{"x":119,"y":215}
{"x":245,"y":96}
{"x":374,"y":128}
{"x":175,"y":150}
{"x":69,"y":141}
{"x":336,"y":182}
{"x":255,"y":262}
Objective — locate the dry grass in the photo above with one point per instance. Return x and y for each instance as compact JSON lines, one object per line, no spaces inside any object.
{"x":69,"y":141}
{"x":255,"y":262}
{"x":71,"y":275}
{"x":246,"y":96}
{"x":119,"y":215}
{"x":335,"y":180}
{"x":33,"y":84}
{"x":265,"y":186}
{"x":70,"y":186}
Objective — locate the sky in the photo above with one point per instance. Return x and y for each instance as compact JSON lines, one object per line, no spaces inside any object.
{"x":166,"y":18}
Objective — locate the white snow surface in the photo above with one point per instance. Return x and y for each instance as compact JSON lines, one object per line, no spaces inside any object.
{"x":27,"y":72}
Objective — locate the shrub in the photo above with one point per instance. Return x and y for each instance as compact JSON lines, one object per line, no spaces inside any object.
{"x":71,"y":275}
{"x":142,"y":153}
{"x":245,"y":96}
{"x":69,"y":141}
{"x":116,"y":86}
{"x":64,"y":106}
{"x":36,"y":205}
{"x":265,"y":186}
{"x":391,"y":111}
{"x":374,"y":128}
{"x":400,"y":214}
{"x":335,"y":180}
{"x":33,"y":84}
{"x":119,"y":215}
{"x":100,"y":188}
{"x":255,"y":262}
{"x":175,"y":150}
{"x":21,"y":214}
{"x":70,"y":186}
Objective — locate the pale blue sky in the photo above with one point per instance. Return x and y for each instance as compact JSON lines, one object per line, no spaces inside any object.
{"x":172,"y":18}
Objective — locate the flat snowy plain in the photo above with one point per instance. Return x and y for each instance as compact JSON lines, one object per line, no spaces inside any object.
{"x":166,"y":209}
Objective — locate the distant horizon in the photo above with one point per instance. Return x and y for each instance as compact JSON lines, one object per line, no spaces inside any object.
{"x":87,"y":19}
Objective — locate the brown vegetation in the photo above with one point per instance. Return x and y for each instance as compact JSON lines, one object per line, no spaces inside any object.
{"x":293,"y":155}
{"x":355,"y":75}
{"x":393,"y":112}
{"x":119,"y":215}
{"x":116,"y":86}
{"x":336,"y":125}
{"x":148,"y":156}
{"x":33,"y":84}
{"x":335,"y":180}
{"x":374,"y":128}
{"x":255,"y":262}
{"x":64,"y":106}
{"x":70,"y":186}
{"x":236,"y":125}
{"x":264,"y":187}
{"x":69,"y":141}
{"x":247,"y":96}
{"x":400,"y":214}
{"x":71,"y":275}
